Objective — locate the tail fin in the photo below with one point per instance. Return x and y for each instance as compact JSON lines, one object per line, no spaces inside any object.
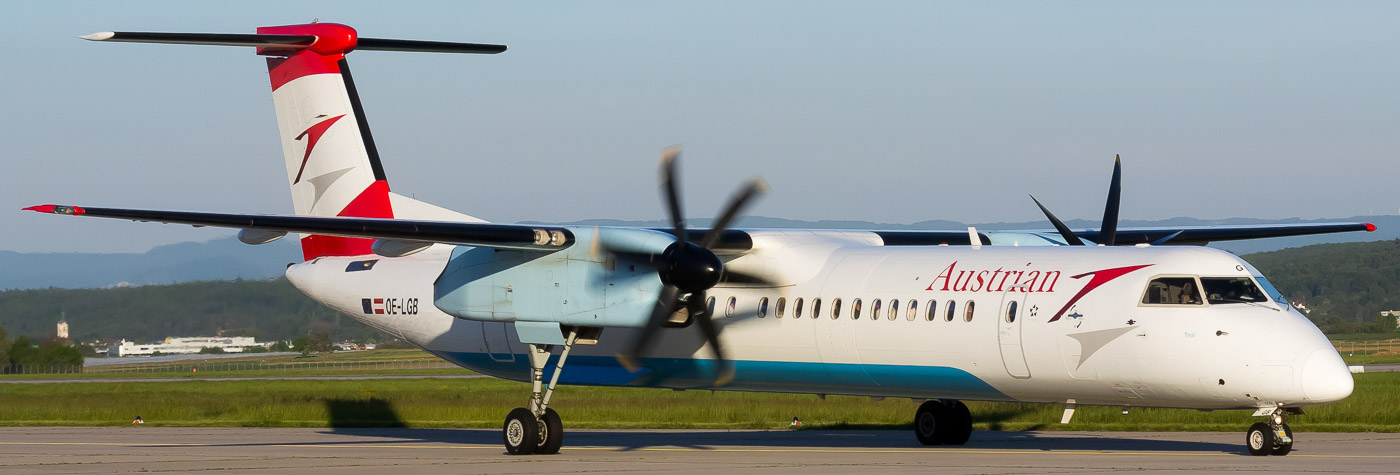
{"x":333,"y":168}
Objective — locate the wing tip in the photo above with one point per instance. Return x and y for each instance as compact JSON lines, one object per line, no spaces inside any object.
{"x":99,"y":36}
{"x":54,"y":209}
{"x":1370,"y":228}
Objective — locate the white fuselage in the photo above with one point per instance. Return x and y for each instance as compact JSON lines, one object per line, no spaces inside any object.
{"x":1106,"y":347}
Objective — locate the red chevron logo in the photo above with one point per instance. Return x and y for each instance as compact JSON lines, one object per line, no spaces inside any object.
{"x":314,"y":133}
{"x":1100,"y":277}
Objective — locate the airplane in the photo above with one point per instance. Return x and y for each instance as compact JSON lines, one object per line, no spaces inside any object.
{"x":1131,"y":317}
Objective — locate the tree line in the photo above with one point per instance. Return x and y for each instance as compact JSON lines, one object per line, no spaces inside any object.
{"x":269,"y":310}
{"x":1345,"y":286}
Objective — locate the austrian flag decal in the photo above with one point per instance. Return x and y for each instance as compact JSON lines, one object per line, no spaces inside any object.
{"x":373,"y":306}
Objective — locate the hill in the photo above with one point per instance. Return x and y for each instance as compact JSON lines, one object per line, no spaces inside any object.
{"x":219,"y":259}
{"x":1348,"y":283}
{"x":267,"y":309}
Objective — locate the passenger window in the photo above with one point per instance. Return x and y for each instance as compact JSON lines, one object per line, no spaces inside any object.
{"x":1172,"y":291}
{"x":894,"y":308}
{"x":782,"y":305}
{"x":1221,"y":290}
{"x":1011,"y":312}
{"x":913,"y":310}
{"x":855,"y":310}
{"x":952,"y":310}
{"x":929,"y":313}
{"x":763,"y":307}
{"x":710,"y":306}
{"x":875,"y":311}
{"x":729,"y":307}
{"x":835,"y":309}
{"x":816,"y":308}
{"x":797,"y":308}
{"x":967,"y":312}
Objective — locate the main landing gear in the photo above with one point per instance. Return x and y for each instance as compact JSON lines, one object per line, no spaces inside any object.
{"x":538,"y":429}
{"x":943,"y":422}
{"x":1270,"y":438}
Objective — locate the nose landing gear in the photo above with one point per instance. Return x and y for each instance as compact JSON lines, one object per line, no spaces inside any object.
{"x":1270,"y":438}
{"x":943,"y":422}
{"x":538,"y":428}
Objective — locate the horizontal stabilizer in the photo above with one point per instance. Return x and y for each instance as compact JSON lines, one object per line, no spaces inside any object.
{"x":212,"y":39}
{"x":294,"y":42}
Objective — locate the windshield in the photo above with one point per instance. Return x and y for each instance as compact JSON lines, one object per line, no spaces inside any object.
{"x":1269,"y":288}
{"x":1220,"y":290}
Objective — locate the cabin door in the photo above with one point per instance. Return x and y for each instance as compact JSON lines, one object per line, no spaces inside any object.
{"x":1013,"y":311}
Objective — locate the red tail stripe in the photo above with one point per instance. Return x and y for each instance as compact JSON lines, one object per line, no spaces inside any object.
{"x":371,"y":203}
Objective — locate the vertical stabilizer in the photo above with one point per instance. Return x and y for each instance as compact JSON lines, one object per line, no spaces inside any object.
{"x":333,"y":168}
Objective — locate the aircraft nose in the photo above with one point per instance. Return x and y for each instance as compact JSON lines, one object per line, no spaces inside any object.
{"x":1326,"y":377}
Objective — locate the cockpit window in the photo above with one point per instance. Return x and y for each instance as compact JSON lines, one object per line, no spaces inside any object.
{"x":1220,"y":290}
{"x":1269,"y":289}
{"x":1172,"y":291}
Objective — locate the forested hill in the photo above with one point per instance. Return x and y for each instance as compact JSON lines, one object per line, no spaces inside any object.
{"x":267,"y":309}
{"x":1347,"y":282}
{"x":1342,"y":283}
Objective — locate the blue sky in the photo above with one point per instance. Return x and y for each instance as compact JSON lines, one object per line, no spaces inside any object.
{"x":884,"y":111}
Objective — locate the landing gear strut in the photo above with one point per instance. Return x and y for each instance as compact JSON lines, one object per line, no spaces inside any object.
{"x":538,"y":428}
{"x":1270,"y":438}
{"x":943,"y":422}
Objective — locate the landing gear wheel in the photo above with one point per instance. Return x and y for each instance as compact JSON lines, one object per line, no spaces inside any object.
{"x":1284,"y":449}
{"x":522,"y":432}
{"x":1259,"y":439}
{"x":960,"y":429}
{"x":551,"y":433}
{"x":932,"y":423}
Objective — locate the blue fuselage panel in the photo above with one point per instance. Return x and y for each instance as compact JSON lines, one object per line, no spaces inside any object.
{"x":767,"y":376}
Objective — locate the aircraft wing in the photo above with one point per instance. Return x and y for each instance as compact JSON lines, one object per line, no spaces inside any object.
{"x":501,"y":236}
{"x":1205,"y":234}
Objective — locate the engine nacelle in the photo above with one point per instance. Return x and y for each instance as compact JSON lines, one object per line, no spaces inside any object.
{"x":579,"y":285}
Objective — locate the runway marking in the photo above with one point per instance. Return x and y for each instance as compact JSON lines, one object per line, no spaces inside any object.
{"x":692,"y":449}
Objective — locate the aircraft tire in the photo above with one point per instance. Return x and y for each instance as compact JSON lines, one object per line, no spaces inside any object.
{"x":1284,"y":449}
{"x":931,"y":423}
{"x":1260,"y":439}
{"x":521,"y":432}
{"x":961,"y":427}
{"x":552,"y":437}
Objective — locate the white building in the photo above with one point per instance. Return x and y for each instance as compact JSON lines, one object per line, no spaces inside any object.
{"x":63,"y":329}
{"x":177,"y":346}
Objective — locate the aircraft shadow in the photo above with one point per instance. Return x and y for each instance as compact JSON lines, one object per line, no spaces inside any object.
{"x":627,"y":440}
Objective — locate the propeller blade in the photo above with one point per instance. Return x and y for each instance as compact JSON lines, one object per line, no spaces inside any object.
{"x":754,"y":187}
{"x":671,"y":190}
{"x":1109,"y":232}
{"x":665,"y":306}
{"x":703,"y":318}
{"x":1069,"y":236}
{"x":1167,"y":238}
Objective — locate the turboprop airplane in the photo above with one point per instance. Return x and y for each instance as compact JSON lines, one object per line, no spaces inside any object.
{"x":1144,"y":318}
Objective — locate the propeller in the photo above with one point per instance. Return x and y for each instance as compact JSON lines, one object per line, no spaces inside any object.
{"x":1108,"y":232}
{"x":688,"y":268}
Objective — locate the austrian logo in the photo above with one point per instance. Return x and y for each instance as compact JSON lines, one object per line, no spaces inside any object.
{"x":1026,"y":279}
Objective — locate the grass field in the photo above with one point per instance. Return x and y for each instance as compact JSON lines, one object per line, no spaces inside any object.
{"x":484,"y":403}
{"x":385,"y":362}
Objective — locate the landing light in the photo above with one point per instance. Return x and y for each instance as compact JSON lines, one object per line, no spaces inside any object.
{"x":1278,"y":419}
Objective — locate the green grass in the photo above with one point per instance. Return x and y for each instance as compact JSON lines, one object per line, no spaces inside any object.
{"x":1362,"y":336}
{"x":484,"y":402}
{"x":385,"y":362}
